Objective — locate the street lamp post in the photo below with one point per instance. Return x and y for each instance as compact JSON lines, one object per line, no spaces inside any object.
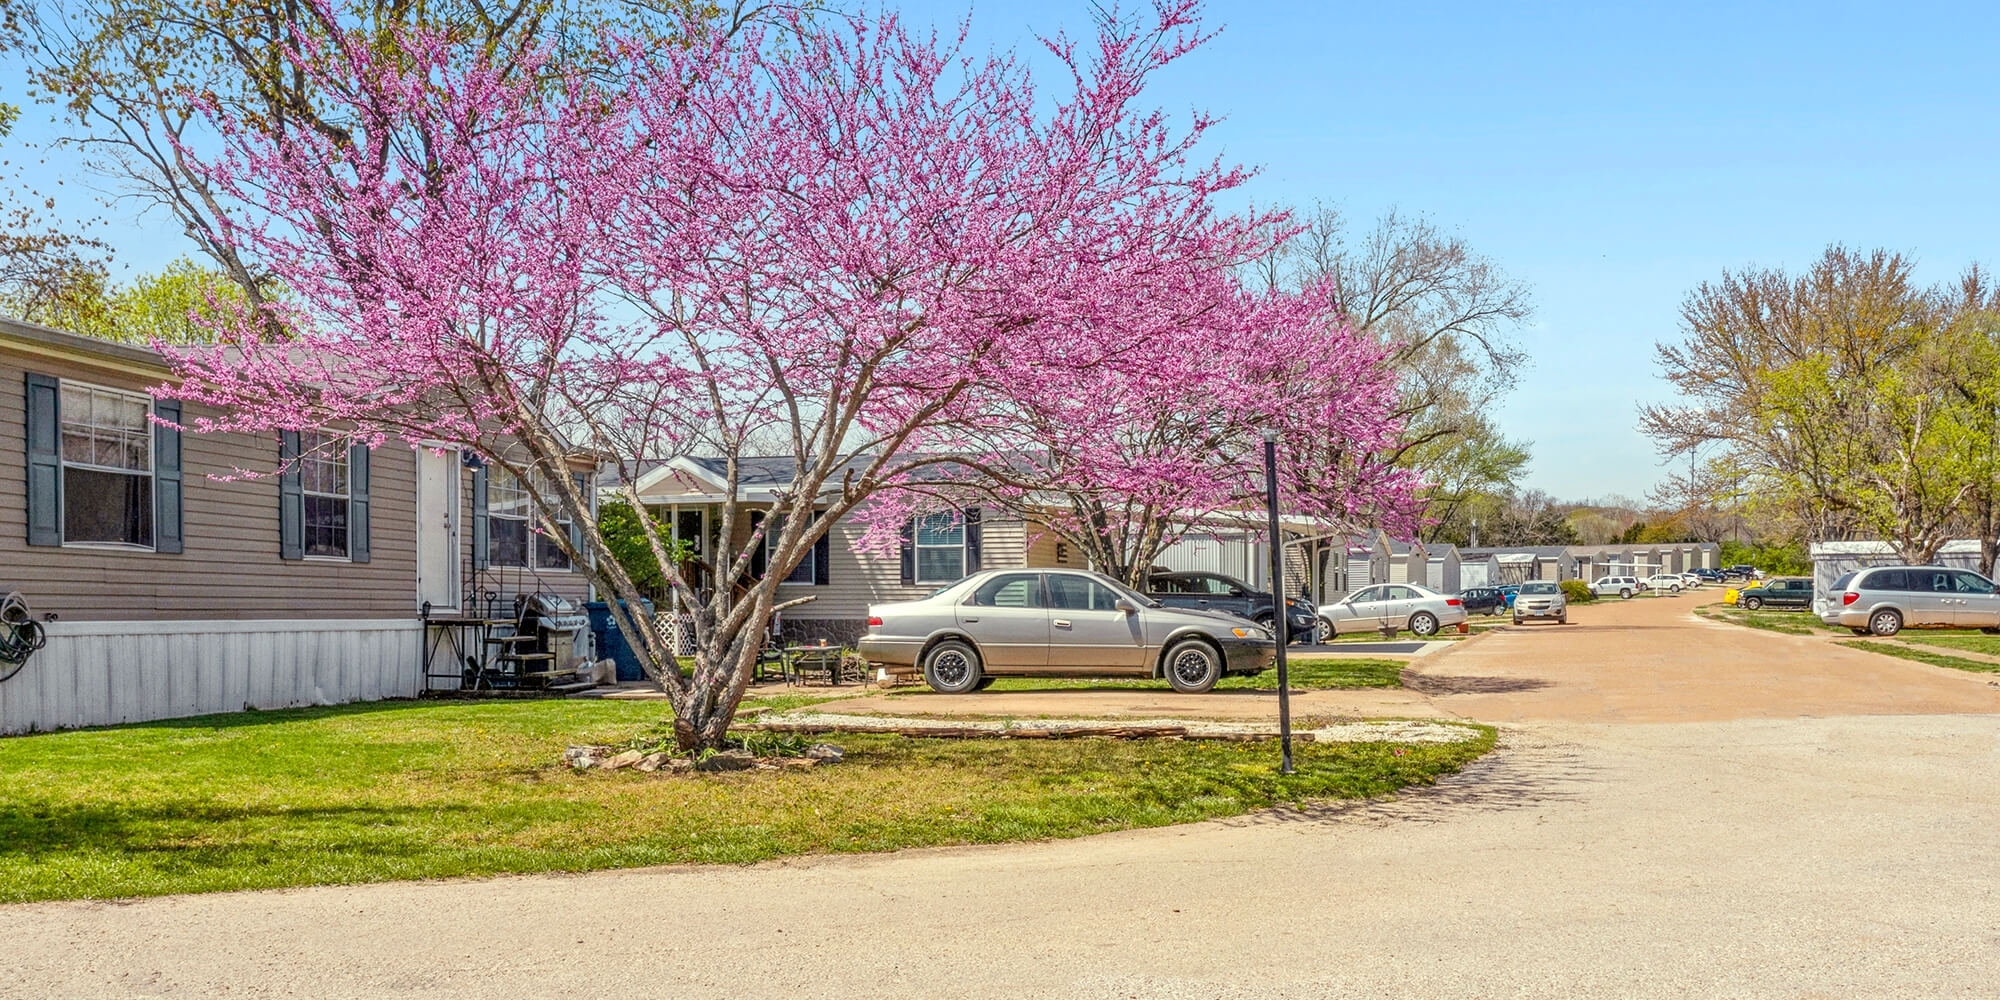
{"x":1279,"y":619}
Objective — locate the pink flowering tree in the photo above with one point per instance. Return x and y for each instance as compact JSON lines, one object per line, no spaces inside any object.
{"x":857,"y":250}
{"x":1122,"y":458}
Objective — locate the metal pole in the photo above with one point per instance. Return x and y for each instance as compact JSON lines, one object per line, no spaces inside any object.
{"x":1278,"y":617}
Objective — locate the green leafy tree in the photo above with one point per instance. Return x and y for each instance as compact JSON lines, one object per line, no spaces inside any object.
{"x":627,"y":541}
{"x":1832,"y":404}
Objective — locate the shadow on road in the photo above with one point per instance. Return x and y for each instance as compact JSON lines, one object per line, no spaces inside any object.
{"x":1469,"y":684}
{"x":1522,"y":773}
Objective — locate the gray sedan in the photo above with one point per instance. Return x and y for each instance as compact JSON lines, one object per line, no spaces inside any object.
{"x":1392,"y":606}
{"x":1058,"y":623}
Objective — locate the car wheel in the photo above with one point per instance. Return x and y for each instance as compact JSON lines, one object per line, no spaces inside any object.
{"x":1193,"y":666}
{"x":1885,"y":622}
{"x":1269,"y":624}
{"x":1624,"y":593}
{"x":1517,"y":619}
{"x":952,"y":667}
{"x":1857,"y":631}
{"x":1326,"y":630}
{"x":1991,"y":631}
{"x":1564,"y":619}
{"x":1424,"y":623}
{"x":1674,"y":589}
{"x":1753,"y":603}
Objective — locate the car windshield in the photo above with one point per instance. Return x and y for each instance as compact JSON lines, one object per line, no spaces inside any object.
{"x":1540,"y":588}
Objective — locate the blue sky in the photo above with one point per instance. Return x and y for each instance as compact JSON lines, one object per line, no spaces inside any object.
{"x":1610,"y":155}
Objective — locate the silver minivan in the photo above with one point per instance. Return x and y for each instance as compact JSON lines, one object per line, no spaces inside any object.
{"x":1885,"y":600}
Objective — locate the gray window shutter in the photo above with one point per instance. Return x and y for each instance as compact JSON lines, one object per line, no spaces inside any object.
{"x":576,"y":523}
{"x":482,"y":529}
{"x":822,"y":553}
{"x":909,"y":552}
{"x":357,"y":502}
{"x":975,"y":540}
{"x":168,"y":493}
{"x":291,"y":499}
{"x":44,"y":460}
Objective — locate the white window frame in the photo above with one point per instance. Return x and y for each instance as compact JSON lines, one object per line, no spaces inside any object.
{"x":152,"y":453}
{"x":324,"y":448}
{"x":531,"y":550}
{"x":917,"y":547}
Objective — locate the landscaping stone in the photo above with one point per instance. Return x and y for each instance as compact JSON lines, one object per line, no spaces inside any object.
{"x":728,"y":760}
{"x":651,"y":762}
{"x":825,"y":752}
{"x":626,"y":759}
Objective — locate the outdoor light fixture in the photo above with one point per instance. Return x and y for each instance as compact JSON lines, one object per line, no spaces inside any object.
{"x":1278,"y":598}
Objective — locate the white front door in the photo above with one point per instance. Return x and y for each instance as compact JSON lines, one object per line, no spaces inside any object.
{"x":437,"y":528}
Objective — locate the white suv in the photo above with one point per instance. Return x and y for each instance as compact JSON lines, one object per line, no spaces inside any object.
{"x":1670,"y":583}
{"x":1624,"y":586}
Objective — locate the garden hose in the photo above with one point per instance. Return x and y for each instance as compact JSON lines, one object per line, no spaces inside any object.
{"x":20,"y":635}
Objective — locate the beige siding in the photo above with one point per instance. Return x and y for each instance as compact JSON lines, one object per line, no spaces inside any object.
{"x":857,"y":579}
{"x":230,"y":568}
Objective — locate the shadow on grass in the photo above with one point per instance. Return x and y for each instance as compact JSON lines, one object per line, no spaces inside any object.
{"x":185,"y":829}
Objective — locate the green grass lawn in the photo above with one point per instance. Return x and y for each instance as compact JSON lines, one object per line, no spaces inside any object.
{"x":1925,"y":655}
{"x":430,"y":789}
{"x":1788,"y":622}
{"x":1311,"y":673}
{"x":1965,"y":640}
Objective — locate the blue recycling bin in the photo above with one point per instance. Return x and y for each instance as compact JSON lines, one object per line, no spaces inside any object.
{"x":611,"y":642}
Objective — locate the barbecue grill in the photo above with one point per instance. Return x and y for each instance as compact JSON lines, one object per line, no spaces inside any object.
{"x":548,"y":637}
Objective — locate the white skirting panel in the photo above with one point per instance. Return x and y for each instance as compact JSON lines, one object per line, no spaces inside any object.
{"x":101,"y":673}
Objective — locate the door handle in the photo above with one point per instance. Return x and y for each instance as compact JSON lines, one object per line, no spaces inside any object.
{"x":1060,"y":623}
{"x":972,"y":621}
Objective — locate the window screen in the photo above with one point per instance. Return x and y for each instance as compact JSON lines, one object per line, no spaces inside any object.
{"x":107,"y":456}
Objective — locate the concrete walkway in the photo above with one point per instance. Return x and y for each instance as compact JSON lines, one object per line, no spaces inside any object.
{"x":1808,"y":832}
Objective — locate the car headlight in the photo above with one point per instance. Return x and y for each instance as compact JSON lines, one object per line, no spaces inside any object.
{"x":1253,"y":632}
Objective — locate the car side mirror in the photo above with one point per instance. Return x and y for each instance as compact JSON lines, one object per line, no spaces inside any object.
{"x":1126,"y":606}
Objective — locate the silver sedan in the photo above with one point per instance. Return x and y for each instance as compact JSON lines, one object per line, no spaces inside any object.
{"x":1058,"y":623}
{"x":1392,"y":606}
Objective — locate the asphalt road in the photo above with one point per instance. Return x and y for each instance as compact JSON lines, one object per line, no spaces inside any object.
{"x":1808,"y":842}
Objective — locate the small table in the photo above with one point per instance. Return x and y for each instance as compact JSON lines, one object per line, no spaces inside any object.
{"x":809,"y":661}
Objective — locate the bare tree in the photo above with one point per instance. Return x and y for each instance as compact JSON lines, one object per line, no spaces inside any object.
{"x":1449,"y":313}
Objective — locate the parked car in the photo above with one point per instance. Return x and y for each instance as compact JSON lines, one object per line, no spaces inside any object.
{"x":1666,"y":583}
{"x":1396,"y":606}
{"x":1885,"y":600}
{"x":1692,"y":581}
{"x":1541,"y":599}
{"x":1058,"y":623}
{"x":1509,"y":591}
{"x":1779,"y":592}
{"x":1216,"y":592}
{"x":1740,"y":571}
{"x":1483,"y":601}
{"x":1625,"y":587}
{"x":1711,"y":575}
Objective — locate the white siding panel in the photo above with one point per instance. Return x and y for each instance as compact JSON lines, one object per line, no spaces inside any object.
{"x":103,"y":673}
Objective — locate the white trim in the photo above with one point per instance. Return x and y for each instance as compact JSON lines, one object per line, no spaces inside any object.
{"x":114,"y":547}
{"x":232,"y":626}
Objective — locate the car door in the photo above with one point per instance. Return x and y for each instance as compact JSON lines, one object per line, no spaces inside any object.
{"x":1086,"y":629}
{"x":1225,"y":595}
{"x":1979,"y":604}
{"x":1398,"y":602}
{"x":1361,"y":611}
{"x":1177,"y":591}
{"x":1005,"y":616}
{"x":1933,"y":597}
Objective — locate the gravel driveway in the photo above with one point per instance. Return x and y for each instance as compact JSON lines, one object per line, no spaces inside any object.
{"x":1759,"y":854}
